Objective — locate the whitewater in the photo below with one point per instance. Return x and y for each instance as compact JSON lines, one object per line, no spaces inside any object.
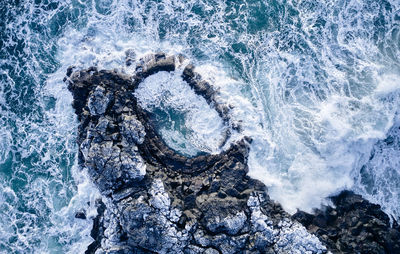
{"x":315,"y":84}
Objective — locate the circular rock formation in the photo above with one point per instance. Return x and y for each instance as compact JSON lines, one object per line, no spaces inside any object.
{"x":158,"y":201}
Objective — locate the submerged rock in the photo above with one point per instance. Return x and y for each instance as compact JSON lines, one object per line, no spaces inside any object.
{"x":158,"y":201}
{"x":81,"y":214}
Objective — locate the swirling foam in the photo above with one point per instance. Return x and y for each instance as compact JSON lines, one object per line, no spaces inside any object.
{"x":40,"y":183}
{"x":194,"y":126}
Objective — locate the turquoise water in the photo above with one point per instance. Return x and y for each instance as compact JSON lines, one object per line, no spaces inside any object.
{"x":314,"y":83}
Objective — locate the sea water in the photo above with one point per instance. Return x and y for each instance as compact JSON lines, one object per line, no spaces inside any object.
{"x":183,"y":119}
{"x":315,"y":84}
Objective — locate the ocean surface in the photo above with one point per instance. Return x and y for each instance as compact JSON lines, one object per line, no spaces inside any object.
{"x":315,"y":83}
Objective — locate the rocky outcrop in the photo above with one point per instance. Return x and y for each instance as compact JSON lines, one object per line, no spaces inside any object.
{"x":159,"y":201}
{"x":353,"y":226}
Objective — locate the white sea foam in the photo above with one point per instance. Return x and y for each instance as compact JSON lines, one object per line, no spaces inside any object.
{"x":40,"y":183}
{"x":201,"y":128}
{"x":324,"y":127}
{"x":5,"y":137}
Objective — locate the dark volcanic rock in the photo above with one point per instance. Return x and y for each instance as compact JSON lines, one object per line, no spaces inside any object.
{"x":158,"y":201}
{"x":80,"y":215}
{"x":97,"y":232}
{"x":354,"y":226}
